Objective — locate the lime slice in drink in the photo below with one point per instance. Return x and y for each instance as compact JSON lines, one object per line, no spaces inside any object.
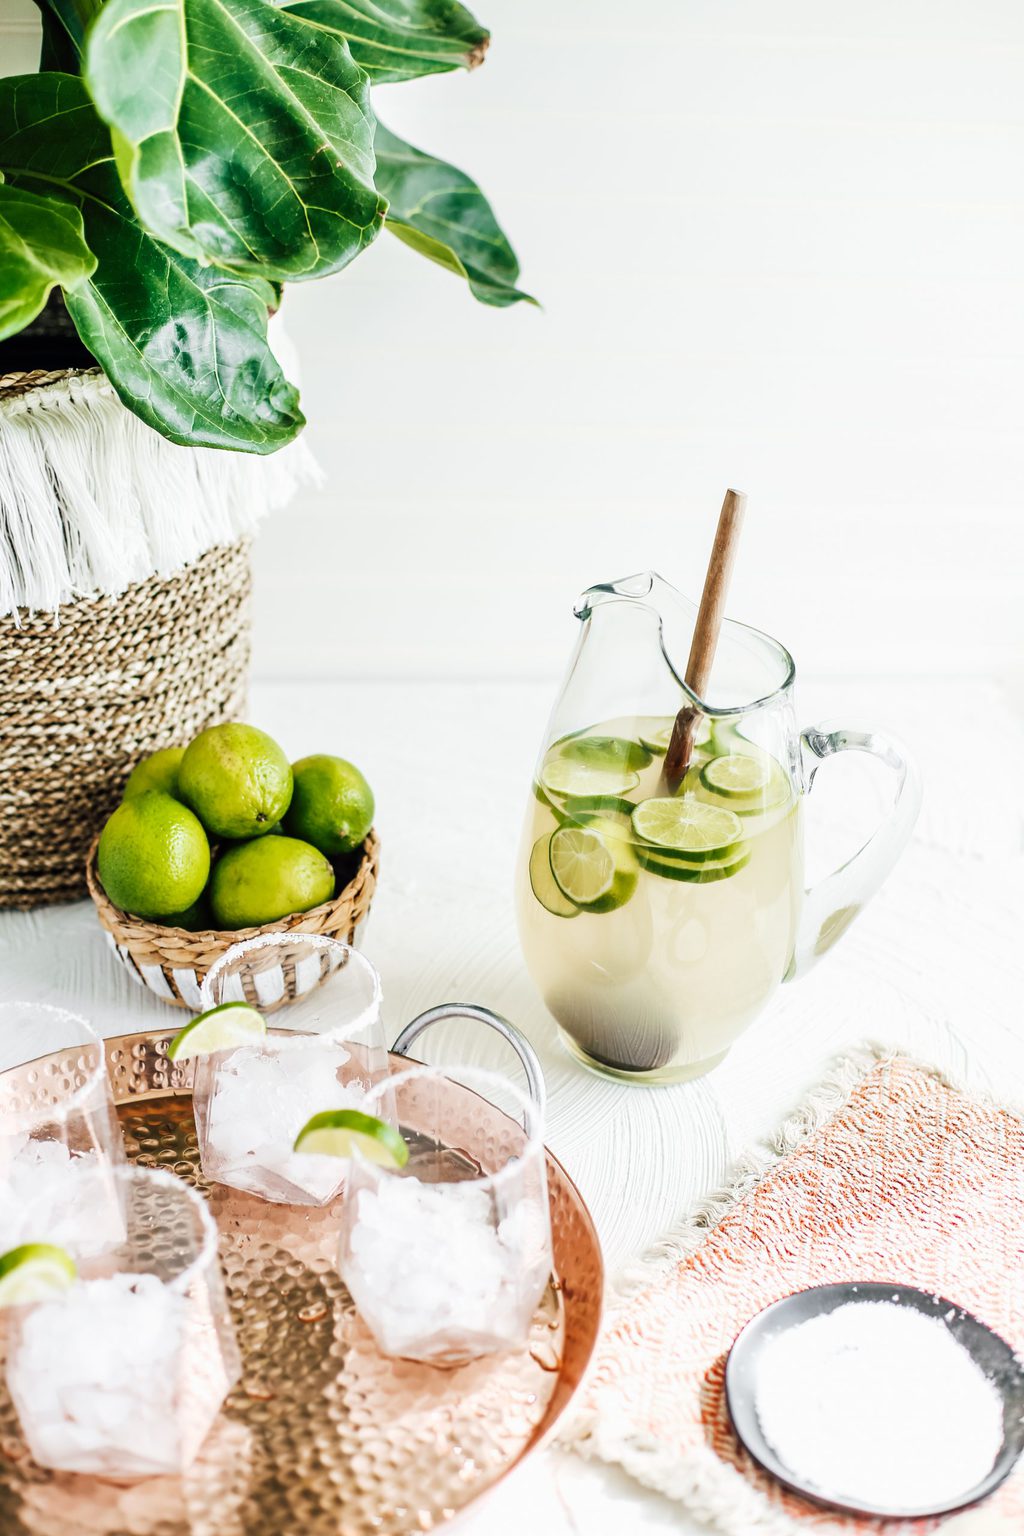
{"x":341,"y":1132}
{"x":658,"y":863}
{"x":544,"y":799}
{"x":581,"y":865}
{"x":540,"y":796}
{"x":542,"y":881}
{"x":580,"y":807}
{"x":606,"y":751}
{"x":724,"y":736}
{"x":737,"y":775}
{"x":593,"y":865}
{"x":616,"y":828}
{"x":688,"y":826}
{"x":693,"y":783}
{"x":655,"y":732}
{"x":608,"y":815}
{"x":34,"y":1272}
{"x":749,"y":782}
{"x":566,"y":776}
{"x":219,"y":1029}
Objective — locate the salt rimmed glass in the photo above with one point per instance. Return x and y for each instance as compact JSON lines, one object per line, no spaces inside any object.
{"x":324,"y":1048}
{"x":59,"y":1137}
{"x":447,"y":1258}
{"x":123,"y":1374}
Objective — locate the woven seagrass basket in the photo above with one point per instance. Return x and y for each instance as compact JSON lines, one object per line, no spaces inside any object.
{"x":173,"y":963}
{"x":87,"y":692}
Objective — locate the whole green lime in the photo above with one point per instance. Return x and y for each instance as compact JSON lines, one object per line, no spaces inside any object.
{"x":153,"y":855}
{"x":332,"y":804}
{"x":158,"y":771}
{"x":236,"y":779}
{"x":271,"y":877}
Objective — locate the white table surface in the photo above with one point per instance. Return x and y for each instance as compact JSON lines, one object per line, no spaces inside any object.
{"x":934,"y":964}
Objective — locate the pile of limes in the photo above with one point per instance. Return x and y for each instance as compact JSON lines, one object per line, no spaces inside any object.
{"x":226,"y":833}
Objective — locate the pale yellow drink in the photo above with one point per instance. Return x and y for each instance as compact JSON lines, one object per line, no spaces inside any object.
{"x":660,"y":983}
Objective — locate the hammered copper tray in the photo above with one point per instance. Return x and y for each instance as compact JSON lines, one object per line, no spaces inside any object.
{"x":323,"y":1436}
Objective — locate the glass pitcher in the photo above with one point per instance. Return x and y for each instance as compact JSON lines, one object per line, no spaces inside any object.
{"x":657,"y":916}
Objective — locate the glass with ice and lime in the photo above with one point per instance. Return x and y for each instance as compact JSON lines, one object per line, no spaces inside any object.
{"x":292,"y":1027}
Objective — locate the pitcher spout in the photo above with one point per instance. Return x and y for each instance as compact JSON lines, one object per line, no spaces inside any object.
{"x":750,"y":668}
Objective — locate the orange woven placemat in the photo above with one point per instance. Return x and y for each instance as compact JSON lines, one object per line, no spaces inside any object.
{"x":892,"y":1174}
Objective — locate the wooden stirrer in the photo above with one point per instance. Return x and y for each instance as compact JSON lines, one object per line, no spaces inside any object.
{"x":705,"y":634}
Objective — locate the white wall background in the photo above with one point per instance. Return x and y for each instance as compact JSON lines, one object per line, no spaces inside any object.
{"x":780,"y":247}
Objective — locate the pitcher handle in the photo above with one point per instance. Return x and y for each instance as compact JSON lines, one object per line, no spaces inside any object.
{"x":508,"y":1031}
{"x":831,"y":905}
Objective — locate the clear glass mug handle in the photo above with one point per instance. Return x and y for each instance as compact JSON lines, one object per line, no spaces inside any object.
{"x":830,"y":906}
{"x":407,"y":1038}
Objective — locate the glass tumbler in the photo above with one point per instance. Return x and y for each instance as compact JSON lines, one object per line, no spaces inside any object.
{"x":59,"y":1137}
{"x":324,"y":1048}
{"x":123,"y":1374}
{"x":447,"y":1258}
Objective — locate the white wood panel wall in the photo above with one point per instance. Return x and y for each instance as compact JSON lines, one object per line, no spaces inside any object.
{"x":778,"y":246}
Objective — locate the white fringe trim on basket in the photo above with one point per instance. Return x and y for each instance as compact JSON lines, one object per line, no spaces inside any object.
{"x":711,"y":1490}
{"x":92,"y":499}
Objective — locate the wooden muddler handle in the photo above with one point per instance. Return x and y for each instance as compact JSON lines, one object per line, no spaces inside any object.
{"x":706,"y":632}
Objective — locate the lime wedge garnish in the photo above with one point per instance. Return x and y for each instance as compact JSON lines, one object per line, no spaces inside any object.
{"x":341,"y":1132}
{"x":543,"y":881}
{"x":689,"y":826}
{"x":34,"y":1272}
{"x":567,"y":776}
{"x":606,"y":751}
{"x":737,"y":774}
{"x":594,"y":866}
{"x":219,"y":1029}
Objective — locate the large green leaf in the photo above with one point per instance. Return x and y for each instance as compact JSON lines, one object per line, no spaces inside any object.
{"x":42,"y":243}
{"x":402,"y":39}
{"x":184,"y":345}
{"x":64,"y":26}
{"x":244,"y":134}
{"x":442,"y":213}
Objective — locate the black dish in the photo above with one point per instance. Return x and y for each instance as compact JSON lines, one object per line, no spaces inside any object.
{"x":987,"y":1349}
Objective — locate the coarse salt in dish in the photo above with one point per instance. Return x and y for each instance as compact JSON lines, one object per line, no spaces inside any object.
{"x":876,"y":1404}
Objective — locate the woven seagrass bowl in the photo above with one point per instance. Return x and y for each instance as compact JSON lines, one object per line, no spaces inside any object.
{"x":172,"y":962}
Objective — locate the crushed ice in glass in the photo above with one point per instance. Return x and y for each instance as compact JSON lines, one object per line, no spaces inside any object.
{"x":50,"y":1194}
{"x":96,"y":1375}
{"x":435,"y":1265}
{"x":262,"y":1098}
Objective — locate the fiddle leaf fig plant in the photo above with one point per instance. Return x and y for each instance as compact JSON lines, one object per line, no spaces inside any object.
{"x":176,"y":161}
{"x":401,"y":39}
{"x":441,"y":213}
{"x":43,"y":243}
